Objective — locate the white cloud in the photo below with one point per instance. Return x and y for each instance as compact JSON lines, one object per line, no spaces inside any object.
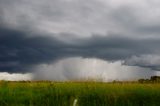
{"x":89,"y":68}
{"x":15,"y":76}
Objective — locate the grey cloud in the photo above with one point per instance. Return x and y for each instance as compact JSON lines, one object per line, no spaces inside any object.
{"x":136,"y":19}
{"x":56,"y":15}
{"x":148,"y":61}
{"x":31,"y":50}
{"x":34,"y":32}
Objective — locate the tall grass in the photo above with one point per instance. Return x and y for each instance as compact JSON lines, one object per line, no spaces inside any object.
{"x":85,"y":94}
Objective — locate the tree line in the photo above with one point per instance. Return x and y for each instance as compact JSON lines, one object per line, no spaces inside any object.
{"x":153,"y":79}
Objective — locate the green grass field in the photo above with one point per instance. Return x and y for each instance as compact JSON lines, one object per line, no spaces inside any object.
{"x":85,"y":93}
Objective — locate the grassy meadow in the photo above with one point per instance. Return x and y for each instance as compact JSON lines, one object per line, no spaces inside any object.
{"x":45,"y":93}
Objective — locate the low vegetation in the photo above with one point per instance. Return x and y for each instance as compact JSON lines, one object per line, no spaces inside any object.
{"x":46,"y":93}
{"x":153,"y":79}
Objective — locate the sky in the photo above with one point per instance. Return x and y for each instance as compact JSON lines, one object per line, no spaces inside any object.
{"x":65,"y":40}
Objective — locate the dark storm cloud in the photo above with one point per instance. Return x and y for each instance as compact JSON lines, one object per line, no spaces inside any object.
{"x":17,"y":47}
{"x":19,"y":50}
{"x":34,"y":32}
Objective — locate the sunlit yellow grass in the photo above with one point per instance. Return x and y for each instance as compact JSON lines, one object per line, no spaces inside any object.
{"x":46,"y":93}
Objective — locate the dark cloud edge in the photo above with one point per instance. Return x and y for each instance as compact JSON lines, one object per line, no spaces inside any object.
{"x":25,"y":50}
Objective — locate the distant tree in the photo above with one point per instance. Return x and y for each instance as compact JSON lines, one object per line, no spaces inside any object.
{"x":155,"y":79}
{"x":141,"y":80}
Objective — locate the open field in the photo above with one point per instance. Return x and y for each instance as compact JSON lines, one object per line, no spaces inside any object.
{"x":46,"y":93}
